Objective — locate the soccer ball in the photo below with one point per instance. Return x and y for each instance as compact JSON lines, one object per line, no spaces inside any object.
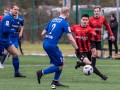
{"x":53,"y":86}
{"x":87,"y":70}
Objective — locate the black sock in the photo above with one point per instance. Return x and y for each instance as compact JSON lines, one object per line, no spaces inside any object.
{"x":96,"y":71}
{"x":94,"y":61}
{"x":81,"y":64}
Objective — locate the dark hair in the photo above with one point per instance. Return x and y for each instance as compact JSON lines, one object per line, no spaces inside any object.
{"x":14,"y":4}
{"x":97,"y":7}
{"x":85,"y":15}
{"x":113,"y":16}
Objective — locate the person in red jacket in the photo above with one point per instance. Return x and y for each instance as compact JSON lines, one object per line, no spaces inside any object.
{"x":96,"y":22}
{"x":82,"y":34}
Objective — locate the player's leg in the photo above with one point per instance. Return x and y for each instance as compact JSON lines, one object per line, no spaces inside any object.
{"x":98,"y":53}
{"x":57,"y":60}
{"x":95,"y":70}
{"x":4,"y":57}
{"x":80,"y":61}
{"x":98,"y":49}
{"x":94,"y":51}
{"x":15,"y":60}
{"x":2,"y":45}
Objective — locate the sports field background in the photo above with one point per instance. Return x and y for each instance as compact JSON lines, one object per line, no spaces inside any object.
{"x":74,"y":78}
{"x":67,"y":49}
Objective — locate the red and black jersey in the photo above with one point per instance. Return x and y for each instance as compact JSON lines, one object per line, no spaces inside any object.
{"x":96,"y":24}
{"x":82,"y":37}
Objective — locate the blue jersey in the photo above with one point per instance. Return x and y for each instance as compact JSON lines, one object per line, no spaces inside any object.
{"x":16,"y":24}
{"x":55,"y":28}
{"x":6,"y":27}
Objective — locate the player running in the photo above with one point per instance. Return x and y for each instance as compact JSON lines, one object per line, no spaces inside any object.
{"x":17,"y":24}
{"x":5,"y":43}
{"x":53,"y":32}
{"x":96,"y":23}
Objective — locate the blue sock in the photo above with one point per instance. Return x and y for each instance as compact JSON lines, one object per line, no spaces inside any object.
{"x":57,"y":75}
{"x":4,"y":57}
{"x":51,"y":69}
{"x":16,"y":64}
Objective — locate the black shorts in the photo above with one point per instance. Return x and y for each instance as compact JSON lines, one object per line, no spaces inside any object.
{"x":96,"y":44}
{"x":81,"y":56}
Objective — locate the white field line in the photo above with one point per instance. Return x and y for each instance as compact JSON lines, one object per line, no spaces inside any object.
{"x":64,"y":65}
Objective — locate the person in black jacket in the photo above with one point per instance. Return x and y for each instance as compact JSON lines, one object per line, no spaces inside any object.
{"x":114,"y":27}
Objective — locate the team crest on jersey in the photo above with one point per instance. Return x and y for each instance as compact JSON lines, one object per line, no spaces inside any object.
{"x":18,"y":22}
{"x":7,"y":23}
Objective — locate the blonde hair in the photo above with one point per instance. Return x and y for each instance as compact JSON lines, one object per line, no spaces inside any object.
{"x":64,"y":10}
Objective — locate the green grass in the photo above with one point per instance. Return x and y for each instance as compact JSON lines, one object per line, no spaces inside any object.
{"x":74,"y":78}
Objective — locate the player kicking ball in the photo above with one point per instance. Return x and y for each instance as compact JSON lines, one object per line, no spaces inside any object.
{"x":82,"y":35}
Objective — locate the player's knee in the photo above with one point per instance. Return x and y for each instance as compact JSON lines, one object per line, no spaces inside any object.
{"x":0,"y":58}
{"x":61,"y":67}
{"x":15,"y":55}
{"x":94,"y":53}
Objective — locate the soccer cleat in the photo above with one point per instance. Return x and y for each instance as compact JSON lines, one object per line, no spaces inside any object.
{"x":39,"y":75}
{"x":109,"y":57}
{"x":77,"y":64}
{"x":20,"y":75}
{"x":58,"y":84}
{"x":1,"y":65}
{"x":104,"y":77}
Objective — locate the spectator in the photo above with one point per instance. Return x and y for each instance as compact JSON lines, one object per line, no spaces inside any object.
{"x":114,"y":28}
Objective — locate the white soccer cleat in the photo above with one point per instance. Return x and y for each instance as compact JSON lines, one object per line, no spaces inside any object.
{"x":1,"y":65}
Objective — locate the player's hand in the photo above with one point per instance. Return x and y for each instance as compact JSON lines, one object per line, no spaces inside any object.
{"x":112,"y":38}
{"x":18,"y":29}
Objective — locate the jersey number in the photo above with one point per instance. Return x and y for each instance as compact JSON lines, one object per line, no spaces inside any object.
{"x":53,"y":27}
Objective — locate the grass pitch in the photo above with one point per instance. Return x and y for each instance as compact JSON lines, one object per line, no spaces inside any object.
{"x":74,"y":78}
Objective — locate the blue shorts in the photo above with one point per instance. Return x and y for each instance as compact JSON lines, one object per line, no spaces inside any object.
{"x":54,"y":54}
{"x":14,"y":40}
{"x":4,"y":45}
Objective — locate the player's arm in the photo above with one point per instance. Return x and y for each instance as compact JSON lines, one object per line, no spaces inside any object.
{"x":109,"y":29}
{"x":72,"y":41}
{"x":43,"y":32}
{"x":92,"y":32}
{"x":22,"y":28}
{"x":21,"y":31}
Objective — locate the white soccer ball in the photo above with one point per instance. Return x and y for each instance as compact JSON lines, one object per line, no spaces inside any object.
{"x":53,"y":86}
{"x":87,"y":69}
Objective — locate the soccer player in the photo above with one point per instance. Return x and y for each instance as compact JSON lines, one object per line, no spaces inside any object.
{"x":96,"y":23}
{"x":17,"y":24}
{"x":6,"y":10}
{"x":53,"y":32}
{"x":82,"y":35}
{"x":5,"y":30}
